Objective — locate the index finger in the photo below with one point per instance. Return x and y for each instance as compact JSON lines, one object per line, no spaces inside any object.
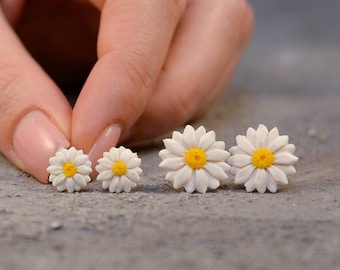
{"x":133,"y":42}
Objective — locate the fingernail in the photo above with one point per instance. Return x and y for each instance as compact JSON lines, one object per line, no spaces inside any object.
{"x":35,"y":140}
{"x":107,"y":139}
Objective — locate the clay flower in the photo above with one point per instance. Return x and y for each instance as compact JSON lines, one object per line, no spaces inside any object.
{"x":119,"y":170}
{"x":194,"y":160}
{"x":262,"y":159}
{"x":69,"y":170}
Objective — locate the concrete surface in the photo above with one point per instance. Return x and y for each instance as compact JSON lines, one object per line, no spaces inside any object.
{"x":289,"y":78}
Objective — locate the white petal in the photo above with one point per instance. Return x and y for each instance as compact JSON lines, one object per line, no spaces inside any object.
{"x":235,"y":150}
{"x":260,"y":180}
{"x":245,"y":145}
{"x":244,"y":174}
{"x":115,"y":183}
{"x":215,"y":171}
{"x":174,"y":147}
{"x":251,"y":135}
{"x":271,"y":185}
{"x":190,"y":186}
{"x":127,"y":185}
{"x":112,"y":155}
{"x":53,"y":169}
{"x":105,"y":164}
{"x":285,"y":159}
{"x":278,"y":175}
{"x":61,"y":187}
{"x":272,"y":135}
{"x":182,"y":177}
{"x":79,"y":160}
{"x":170,"y":175}
{"x":52,"y":177}
{"x":289,"y":148}
{"x":207,"y":140}
{"x":200,"y":131}
{"x":250,"y":185}
{"x":213,"y":183}
{"x":201,"y":181}
{"x":106,"y":184}
{"x":217,"y":145}
{"x":190,"y":137}
{"x":133,"y":176}
{"x":287,"y":169}
{"x":126,"y":155}
{"x":217,"y":155}
{"x":105,"y":175}
{"x":172,"y":164}
{"x":84,"y":169}
{"x":138,"y":170}
{"x":70,"y":156}
{"x":261,"y":136}
{"x":121,"y":150}
{"x":239,"y":160}
{"x":224,"y":166}
{"x":278,"y":143}
{"x":100,"y":168}
{"x":80,"y":180}
{"x":133,"y":162}
{"x":60,"y":157}
{"x":59,"y":180}
{"x":76,"y":187}
{"x":69,"y":185}
{"x":177,"y":137}
{"x":165,"y":153}
{"x":234,"y":170}
{"x":123,"y":179}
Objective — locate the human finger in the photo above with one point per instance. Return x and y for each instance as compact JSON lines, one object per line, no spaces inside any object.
{"x":34,"y":115}
{"x":133,"y":42}
{"x":207,"y":45}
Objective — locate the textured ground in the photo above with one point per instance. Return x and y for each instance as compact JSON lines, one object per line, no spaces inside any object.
{"x":289,"y":78}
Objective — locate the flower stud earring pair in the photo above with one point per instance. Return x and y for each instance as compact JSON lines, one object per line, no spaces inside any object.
{"x":119,"y":170}
{"x":196,"y":162}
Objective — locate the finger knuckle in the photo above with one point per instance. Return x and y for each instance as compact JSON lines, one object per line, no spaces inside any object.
{"x":185,"y":107}
{"x":247,"y":18}
{"x":139,"y":70}
{"x":8,"y":80}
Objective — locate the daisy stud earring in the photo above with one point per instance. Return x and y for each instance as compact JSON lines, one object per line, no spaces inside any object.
{"x":69,"y":170}
{"x":119,"y":170}
{"x":262,"y":159}
{"x":194,"y":160}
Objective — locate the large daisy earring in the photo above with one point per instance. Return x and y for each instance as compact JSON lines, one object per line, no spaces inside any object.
{"x":262,"y":159}
{"x":194,"y":160}
{"x":69,"y":170}
{"x":119,"y":170}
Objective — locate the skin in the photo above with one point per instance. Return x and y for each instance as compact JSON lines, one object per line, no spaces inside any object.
{"x":143,"y":68}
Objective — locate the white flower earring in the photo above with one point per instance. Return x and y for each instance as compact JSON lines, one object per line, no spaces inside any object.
{"x":194,"y":160}
{"x":119,"y":170}
{"x":69,"y":170}
{"x":262,"y":159}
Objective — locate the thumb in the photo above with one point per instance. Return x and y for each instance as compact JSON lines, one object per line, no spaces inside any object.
{"x":34,"y":115}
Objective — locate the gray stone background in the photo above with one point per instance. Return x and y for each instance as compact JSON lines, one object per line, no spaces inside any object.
{"x":289,"y":78}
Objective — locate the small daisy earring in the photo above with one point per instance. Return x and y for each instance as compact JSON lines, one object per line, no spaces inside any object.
{"x":119,"y":170}
{"x":69,"y":170}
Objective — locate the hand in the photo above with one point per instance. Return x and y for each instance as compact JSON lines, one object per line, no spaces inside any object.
{"x":160,"y":63}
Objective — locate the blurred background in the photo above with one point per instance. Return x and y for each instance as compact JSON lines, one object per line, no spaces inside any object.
{"x":295,"y":48}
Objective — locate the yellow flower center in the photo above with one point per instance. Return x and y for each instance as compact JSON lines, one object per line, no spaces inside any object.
{"x":262,"y":158}
{"x":69,"y":169}
{"x":195,"y":158}
{"x":119,"y":168}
